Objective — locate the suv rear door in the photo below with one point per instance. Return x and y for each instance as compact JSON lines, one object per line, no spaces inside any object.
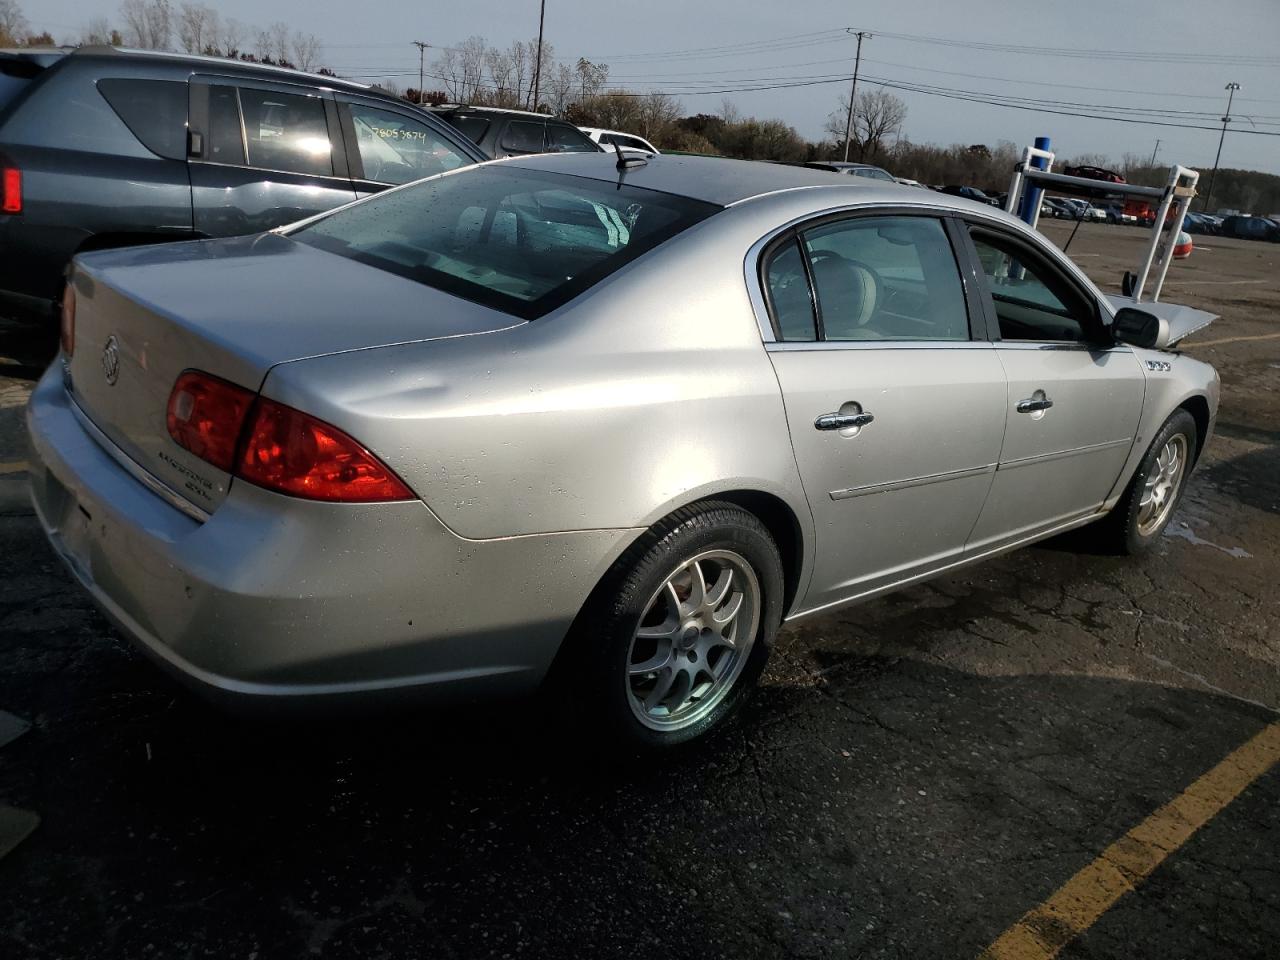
{"x":263,"y":154}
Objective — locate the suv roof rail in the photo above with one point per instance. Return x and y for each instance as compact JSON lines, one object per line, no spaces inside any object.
{"x":107,"y":50}
{"x":455,"y":107}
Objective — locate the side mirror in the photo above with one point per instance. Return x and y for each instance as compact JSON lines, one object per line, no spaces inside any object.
{"x":1140,"y":329}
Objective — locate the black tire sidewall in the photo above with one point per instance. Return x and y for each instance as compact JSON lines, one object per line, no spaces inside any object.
{"x":636,"y":577}
{"x":1132,"y":541}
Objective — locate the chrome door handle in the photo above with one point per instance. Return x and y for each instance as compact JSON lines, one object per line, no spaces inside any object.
{"x":1031,"y":406}
{"x":839,"y":421}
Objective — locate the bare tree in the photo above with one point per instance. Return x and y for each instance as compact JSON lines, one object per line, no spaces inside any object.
{"x":148,"y":23}
{"x":656,"y":114}
{"x":306,"y":51}
{"x":471,"y":62}
{"x":197,"y":27}
{"x":521,"y":73}
{"x":98,"y":31}
{"x":558,"y":87}
{"x":13,"y":24}
{"x":230,"y":36}
{"x":544,"y":73}
{"x":877,"y":116}
{"x":591,"y":76}
{"x":278,"y":34}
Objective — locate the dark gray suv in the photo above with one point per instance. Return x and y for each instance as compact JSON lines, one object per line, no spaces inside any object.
{"x":106,"y":148}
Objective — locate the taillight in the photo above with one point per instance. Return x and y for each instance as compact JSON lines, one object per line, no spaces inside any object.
{"x":280,"y":448}
{"x":206,"y":415}
{"x":292,"y":452}
{"x":67,"y":326}
{"x":10,"y":190}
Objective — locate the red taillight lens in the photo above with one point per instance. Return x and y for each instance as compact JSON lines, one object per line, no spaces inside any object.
{"x":11,"y":190}
{"x":290,"y":452}
{"x":206,"y":415}
{"x":67,"y":327}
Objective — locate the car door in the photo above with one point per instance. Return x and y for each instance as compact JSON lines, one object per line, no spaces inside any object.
{"x":387,"y":147}
{"x":895,"y":409}
{"x":263,"y":154}
{"x":1075,"y":396}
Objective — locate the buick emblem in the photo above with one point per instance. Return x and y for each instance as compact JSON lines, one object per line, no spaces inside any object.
{"x":111,"y":360}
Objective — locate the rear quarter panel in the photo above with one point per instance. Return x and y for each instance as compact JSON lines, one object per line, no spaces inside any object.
{"x":649,"y":391}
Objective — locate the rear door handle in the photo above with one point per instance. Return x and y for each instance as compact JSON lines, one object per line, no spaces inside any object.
{"x":1031,"y":406}
{"x":839,"y":421}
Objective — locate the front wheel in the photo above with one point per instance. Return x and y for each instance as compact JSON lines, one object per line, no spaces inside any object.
{"x":1157,"y":485}
{"x":682,"y":627}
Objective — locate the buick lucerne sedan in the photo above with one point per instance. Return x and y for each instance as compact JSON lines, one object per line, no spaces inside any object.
{"x":546,"y":420}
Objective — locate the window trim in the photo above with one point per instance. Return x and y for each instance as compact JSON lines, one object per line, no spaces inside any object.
{"x":1094,"y":338}
{"x":764,"y":248}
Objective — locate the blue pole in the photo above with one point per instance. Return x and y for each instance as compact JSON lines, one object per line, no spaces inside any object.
{"x":1031,"y":202}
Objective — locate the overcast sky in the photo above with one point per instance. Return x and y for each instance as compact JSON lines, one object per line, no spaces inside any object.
{"x":663,"y":45}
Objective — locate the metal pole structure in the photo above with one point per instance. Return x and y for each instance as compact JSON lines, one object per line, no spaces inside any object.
{"x":1231,"y":89}
{"x":1152,"y":161}
{"x":853,"y":94}
{"x":537,"y":69}
{"x":1030,"y":212}
{"x":422,"y":53}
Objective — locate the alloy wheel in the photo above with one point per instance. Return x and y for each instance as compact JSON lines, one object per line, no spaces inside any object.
{"x":1160,"y":491}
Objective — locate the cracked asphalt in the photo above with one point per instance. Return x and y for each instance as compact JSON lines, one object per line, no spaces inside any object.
{"x":915,"y":774}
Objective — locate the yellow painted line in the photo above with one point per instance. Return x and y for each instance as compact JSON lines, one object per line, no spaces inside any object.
{"x":1214,"y":343}
{"x":1079,"y":902}
{"x":20,"y":466}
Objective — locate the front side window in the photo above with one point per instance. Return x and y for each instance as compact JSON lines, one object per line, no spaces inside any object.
{"x":1032,"y":302}
{"x":873,"y":278}
{"x":284,"y":131}
{"x":562,"y":138}
{"x":396,"y":149}
{"x":522,"y":241}
{"x":523,"y":136}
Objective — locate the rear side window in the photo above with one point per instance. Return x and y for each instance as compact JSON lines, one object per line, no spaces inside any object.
{"x":226,"y":137}
{"x":473,"y":128}
{"x":521,"y":136}
{"x":284,"y":131}
{"x":155,"y":111}
{"x":522,"y":241}
{"x":874,"y":278}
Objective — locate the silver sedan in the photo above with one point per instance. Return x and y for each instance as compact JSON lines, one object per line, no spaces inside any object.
{"x":587,"y":420}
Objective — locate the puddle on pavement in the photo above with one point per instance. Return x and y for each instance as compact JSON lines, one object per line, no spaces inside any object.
{"x":1184,"y":532}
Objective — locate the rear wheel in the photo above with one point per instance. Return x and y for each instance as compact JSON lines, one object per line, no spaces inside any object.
{"x":681,"y":629}
{"x":1157,"y":485}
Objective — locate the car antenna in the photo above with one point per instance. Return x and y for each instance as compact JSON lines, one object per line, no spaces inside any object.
{"x":625,"y":161}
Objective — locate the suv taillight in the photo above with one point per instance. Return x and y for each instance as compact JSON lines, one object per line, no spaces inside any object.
{"x":275,"y":446}
{"x":10,"y":190}
{"x":67,"y":325}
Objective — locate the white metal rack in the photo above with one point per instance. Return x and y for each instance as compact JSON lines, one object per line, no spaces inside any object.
{"x":1179,"y":189}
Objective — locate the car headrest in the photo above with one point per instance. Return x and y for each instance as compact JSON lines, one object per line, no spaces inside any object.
{"x":848,"y":292}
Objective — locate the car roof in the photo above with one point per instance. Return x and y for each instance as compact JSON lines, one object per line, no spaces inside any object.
{"x":224,"y":64}
{"x":464,"y":108}
{"x":716,"y":180}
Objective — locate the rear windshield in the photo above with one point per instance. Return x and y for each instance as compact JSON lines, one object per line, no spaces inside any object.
{"x":522,"y":241}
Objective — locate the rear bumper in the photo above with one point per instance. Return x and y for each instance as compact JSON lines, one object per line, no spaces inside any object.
{"x":275,"y":597}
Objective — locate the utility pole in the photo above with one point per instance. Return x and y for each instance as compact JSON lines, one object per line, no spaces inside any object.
{"x":1231,"y":89}
{"x":853,"y":94}
{"x":1153,"y":154}
{"x":422,"y":54}
{"x":537,"y":68}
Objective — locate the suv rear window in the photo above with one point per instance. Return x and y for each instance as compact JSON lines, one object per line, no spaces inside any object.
{"x":521,"y":241}
{"x":155,"y":111}
{"x":473,"y":128}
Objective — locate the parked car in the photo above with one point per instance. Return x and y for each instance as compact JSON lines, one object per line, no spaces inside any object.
{"x":1251,"y":228}
{"x":870,"y":171}
{"x":532,"y":422}
{"x":515,"y":133}
{"x":1058,"y":207}
{"x":107,"y":148}
{"x":1083,"y":210}
{"x":611,"y":138}
{"x":969,"y":193}
{"x":1115,"y":213}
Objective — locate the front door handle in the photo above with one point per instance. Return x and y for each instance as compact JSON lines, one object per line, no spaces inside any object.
{"x":1034,"y":404}
{"x":840,"y":421}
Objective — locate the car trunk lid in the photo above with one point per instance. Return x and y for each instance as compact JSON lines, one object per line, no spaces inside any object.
{"x":234,"y":309}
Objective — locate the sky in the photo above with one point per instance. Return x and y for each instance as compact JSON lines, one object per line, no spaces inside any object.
{"x":1175,"y":57}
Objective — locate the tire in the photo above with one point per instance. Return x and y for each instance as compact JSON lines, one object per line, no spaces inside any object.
{"x":599,"y":672}
{"x":1132,"y":529}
